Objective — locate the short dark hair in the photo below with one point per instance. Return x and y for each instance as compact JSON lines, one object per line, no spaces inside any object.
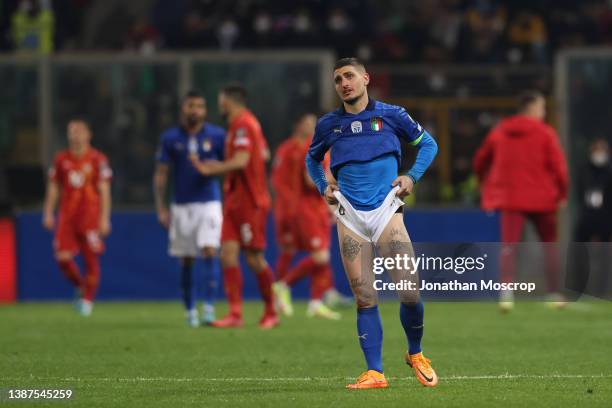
{"x":528,"y":97}
{"x":352,"y":61}
{"x":81,"y":119}
{"x":193,"y":93}
{"x":236,"y":92}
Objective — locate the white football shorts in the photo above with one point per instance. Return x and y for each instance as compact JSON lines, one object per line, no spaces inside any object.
{"x":369,"y":225}
{"x":194,"y":226}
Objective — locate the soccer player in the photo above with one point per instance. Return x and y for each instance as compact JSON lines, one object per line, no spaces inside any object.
{"x":303,"y":223}
{"x":364,"y":138}
{"x":523,"y":174}
{"x":246,"y":206}
{"x":80,"y":180}
{"x":195,"y":217}
{"x":285,"y":178}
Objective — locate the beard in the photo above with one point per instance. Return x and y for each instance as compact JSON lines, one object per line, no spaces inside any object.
{"x":192,"y":120}
{"x":354,"y":100}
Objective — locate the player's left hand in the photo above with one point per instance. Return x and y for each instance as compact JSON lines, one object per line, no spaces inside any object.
{"x":405,"y":184}
{"x":104,"y":227}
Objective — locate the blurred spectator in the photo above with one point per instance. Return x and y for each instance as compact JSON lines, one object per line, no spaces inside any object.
{"x":32,"y":27}
{"x":527,"y":33}
{"x":523,"y":175}
{"x":485,"y":22}
{"x":142,"y":38}
{"x":227,"y":33}
{"x":594,"y":194}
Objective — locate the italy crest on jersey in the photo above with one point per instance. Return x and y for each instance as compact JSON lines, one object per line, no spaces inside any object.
{"x":206,"y":145}
{"x":376,"y":124}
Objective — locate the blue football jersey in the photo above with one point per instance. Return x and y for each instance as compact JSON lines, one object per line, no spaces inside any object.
{"x":368,"y":135}
{"x":174,"y":149}
{"x":365,"y":149}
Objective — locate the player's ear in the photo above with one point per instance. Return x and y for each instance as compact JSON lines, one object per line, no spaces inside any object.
{"x":366,"y":78}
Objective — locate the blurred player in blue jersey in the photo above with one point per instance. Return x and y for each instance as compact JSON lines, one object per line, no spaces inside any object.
{"x":364,"y":138}
{"x":195,"y":217}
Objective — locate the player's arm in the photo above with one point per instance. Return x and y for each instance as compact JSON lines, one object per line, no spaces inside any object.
{"x":105,"y":207}
{"x":238,"y":161}
{"x":314,"y":165}
{"x":483,"y":157}
{"x":427,"y":150}
{"x":51,"y":198}
{"x":104,"y":176}
{"x":160,"y":183}
{"x":558,"y":165}
{"x":164,"y":157}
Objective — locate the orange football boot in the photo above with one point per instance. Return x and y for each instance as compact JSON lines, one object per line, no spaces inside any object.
{"x":422,"y":368}
{"x":369,"y":379}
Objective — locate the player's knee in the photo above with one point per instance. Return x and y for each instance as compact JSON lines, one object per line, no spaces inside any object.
{"x":209,"y":252}
{"x":229,"y":257}
{"x":63,"y":256}
{"x":320,"y":257}
{"x":409,"y":297}
{"x":255,"y":260}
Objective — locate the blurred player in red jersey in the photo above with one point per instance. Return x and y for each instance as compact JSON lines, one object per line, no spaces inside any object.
{"x":285,"y":178}
{"x":303,"y":222}
{"x":246,"y":205}
{"x":80,"y":179}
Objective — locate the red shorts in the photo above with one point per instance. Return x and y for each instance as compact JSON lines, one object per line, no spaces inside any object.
{"x":313,"y":230}
{"x":74,"y":235}
{"x":246,"y":225}
{"x":285,"y":231}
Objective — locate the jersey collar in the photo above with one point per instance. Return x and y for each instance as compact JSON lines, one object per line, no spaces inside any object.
{"x":369,"y":107}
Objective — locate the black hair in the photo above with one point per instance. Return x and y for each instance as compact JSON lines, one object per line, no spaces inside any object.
{"x":235,"y":91}
{"x":352,"y":61}
{"x":193,"y":93}
{"x":528,"y":97}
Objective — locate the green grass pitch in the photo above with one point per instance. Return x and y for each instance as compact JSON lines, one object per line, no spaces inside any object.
{"x":144,"y":355}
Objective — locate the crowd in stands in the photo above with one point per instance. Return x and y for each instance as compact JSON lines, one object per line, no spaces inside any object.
{"x":427,"y":31}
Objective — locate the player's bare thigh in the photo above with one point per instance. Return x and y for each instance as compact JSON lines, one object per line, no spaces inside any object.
{"x":357,"y":255}
{"x":395,"y":241}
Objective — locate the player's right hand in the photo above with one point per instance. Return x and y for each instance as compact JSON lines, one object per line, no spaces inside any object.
{"x":48,"y":221}
{"x":329,"y":194}
{"x":163,"y":216}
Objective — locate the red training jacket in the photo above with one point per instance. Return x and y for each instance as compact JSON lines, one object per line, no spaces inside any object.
{"x":521,"y":167}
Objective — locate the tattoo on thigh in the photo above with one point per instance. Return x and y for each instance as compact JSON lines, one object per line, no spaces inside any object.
{"x":350,"y":248}
{"x":399,"y":246}
{"x":398,"y":233}
{"x":355,"y":283}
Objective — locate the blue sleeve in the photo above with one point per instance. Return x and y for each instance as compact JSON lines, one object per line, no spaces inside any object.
{"x":314,"y":157}
{"x":406,"y":127}
{"x":318,"y":147}
{"x":316,"y":173}
{"x":164,"y":150}
{"x":428,"y":148}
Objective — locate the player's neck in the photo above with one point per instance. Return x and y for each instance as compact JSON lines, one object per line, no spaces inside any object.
{"x":359,"y":105}
{"x":78,"y":151}
{"x":234,"y":113}
{"x":195,"y":129}
{"x":301,"y":139}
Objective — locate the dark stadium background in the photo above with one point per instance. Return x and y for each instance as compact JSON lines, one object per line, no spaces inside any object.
{"x":456,"y":65}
